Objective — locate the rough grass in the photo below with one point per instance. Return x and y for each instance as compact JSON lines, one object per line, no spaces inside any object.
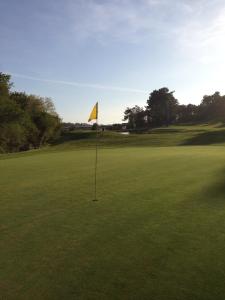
{"x":157,"y":231}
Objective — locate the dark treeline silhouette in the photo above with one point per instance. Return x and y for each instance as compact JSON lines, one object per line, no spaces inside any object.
{"x":26,"y":121}
{"x":163,"y":109}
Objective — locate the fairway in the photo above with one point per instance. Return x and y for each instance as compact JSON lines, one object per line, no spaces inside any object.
{"x":157,"y":231}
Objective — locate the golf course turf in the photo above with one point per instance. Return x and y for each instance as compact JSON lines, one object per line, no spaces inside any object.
{"x":157,"y":230}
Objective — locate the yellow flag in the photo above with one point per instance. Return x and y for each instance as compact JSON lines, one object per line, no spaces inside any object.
{"x":94,"y":113}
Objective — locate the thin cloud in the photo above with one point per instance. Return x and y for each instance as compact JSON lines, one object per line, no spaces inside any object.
{"x":117,"y":20}
{"x":204,"y":41}
{"x":81,"y":85}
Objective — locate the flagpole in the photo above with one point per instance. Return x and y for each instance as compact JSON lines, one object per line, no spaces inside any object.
{"x":96,"y":153}
{"x":96,"y":160}
{"x":94,"y":116}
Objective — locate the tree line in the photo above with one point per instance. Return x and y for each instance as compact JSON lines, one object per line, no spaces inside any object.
{"x":163,"y":109}
{"x":26,"y":121}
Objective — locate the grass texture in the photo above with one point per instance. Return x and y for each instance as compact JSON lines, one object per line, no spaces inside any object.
{"x":156,"y":232}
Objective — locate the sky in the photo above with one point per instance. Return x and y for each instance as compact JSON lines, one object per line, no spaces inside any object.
{"x":115,"y":52}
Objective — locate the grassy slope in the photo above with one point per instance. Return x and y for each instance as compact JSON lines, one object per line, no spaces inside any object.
{"x":173,"y":136}
{"x":157,"y":231}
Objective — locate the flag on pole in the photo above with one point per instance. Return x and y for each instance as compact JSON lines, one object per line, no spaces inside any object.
{"x":94,"y":116}
{"x":94,"y":113}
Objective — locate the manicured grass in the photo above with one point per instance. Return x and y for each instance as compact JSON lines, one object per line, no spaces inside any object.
{"x":156,"y":232}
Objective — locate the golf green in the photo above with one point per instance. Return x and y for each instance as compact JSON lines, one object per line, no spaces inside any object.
{"x":157,"y":230}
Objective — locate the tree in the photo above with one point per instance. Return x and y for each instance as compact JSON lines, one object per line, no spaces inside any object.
{"x":94,"y":126}
{"x":11,"y":116}
{"x":187,"y":113}
{"x":26,"y":121}
{"x":136,"y":117}
{"x":48,"y":127}
{"x":162,"y":107}
{"x":212,"y":108}
{"x":5,"y":85}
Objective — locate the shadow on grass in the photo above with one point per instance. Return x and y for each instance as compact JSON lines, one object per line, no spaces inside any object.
{"x":206,"y":138}
{"x":211,"y":196}
{"x":221,"y":125}
{"x":166,"y":130}
{"x":214,"y":195}
{"x":217,"y":191}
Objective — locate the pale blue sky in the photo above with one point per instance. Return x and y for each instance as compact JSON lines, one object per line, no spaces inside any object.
{"x":81,"y":51}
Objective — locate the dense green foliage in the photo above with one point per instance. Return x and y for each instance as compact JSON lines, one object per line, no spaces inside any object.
{"x":26,"y":121}
{"x":157,"y":231}
{"x":163,"y":109}
{"x":136,"y":117}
